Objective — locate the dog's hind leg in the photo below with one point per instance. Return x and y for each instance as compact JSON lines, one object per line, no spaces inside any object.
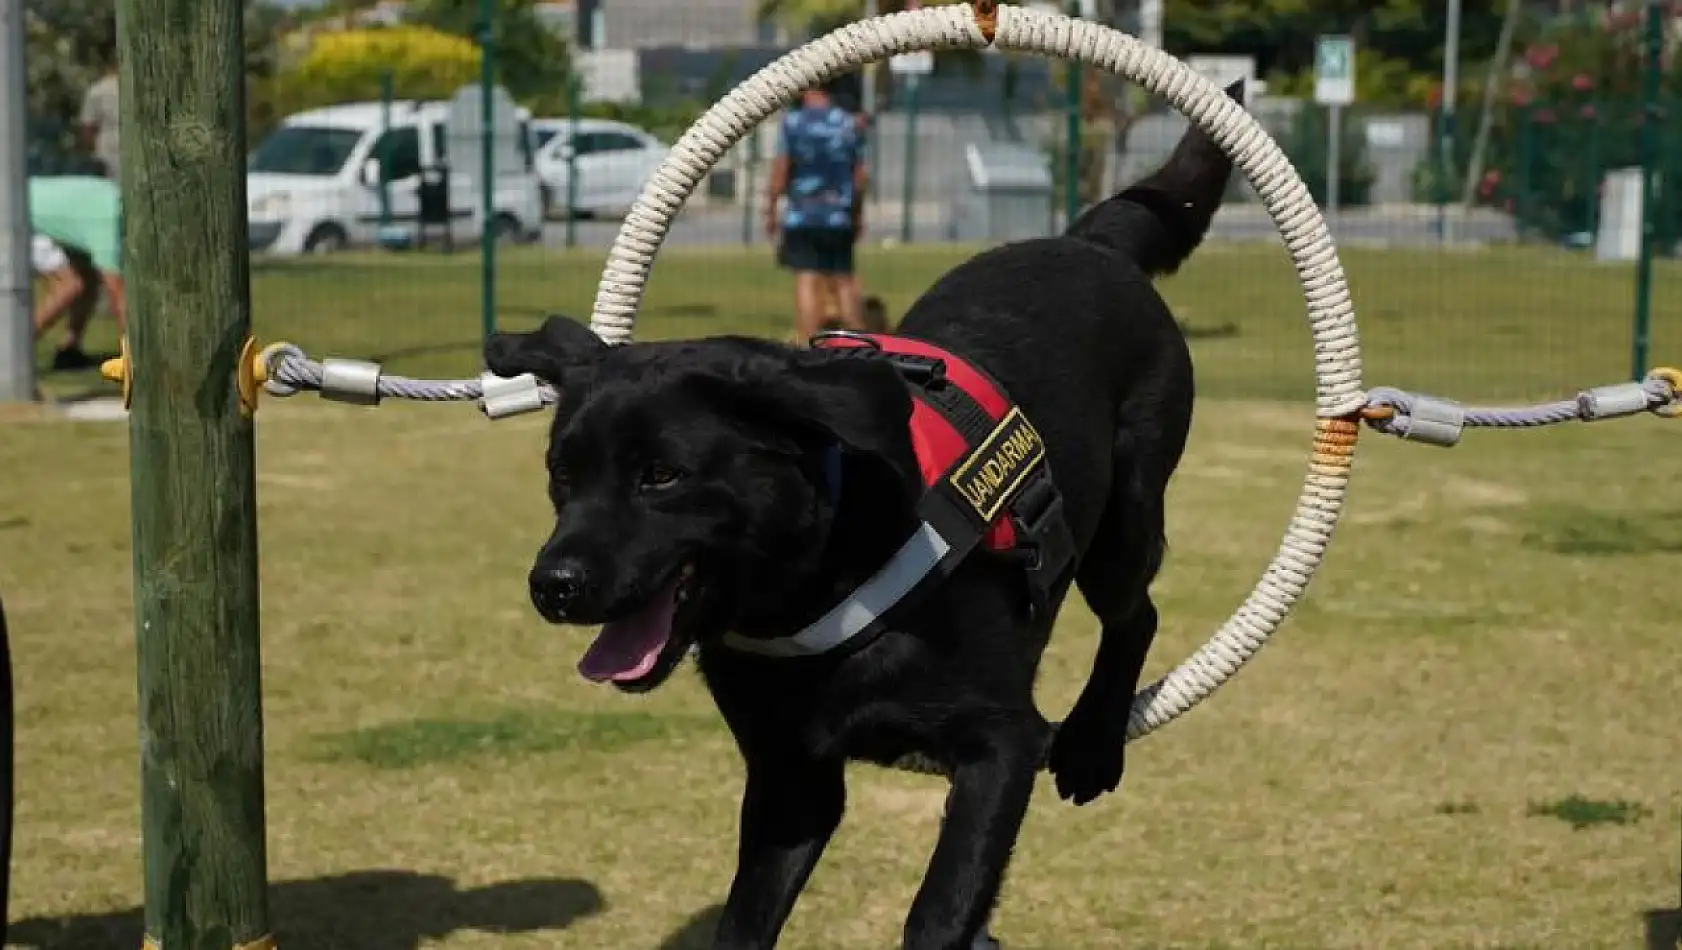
{"x":991,"y":785}
{"x":1088,"y":754}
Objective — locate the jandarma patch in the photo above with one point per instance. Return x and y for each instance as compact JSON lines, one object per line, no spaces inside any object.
{"x":993,"y":472}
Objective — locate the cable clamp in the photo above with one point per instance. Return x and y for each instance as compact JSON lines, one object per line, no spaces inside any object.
{"x":505,"y":396}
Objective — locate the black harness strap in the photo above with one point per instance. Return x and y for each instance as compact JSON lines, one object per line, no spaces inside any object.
{"x":1035,"y":506}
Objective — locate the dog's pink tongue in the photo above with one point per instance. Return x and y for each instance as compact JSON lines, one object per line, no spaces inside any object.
{"x":628,"y":649}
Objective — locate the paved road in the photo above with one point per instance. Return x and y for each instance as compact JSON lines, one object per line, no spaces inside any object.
{"x":1396,"y":228}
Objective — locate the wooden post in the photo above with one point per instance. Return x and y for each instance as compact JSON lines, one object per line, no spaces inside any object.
{"x":195,"y":513}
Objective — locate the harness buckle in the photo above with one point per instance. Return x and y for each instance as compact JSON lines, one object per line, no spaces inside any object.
{"x":1036,"y":503}
{"x":925,"y":371}
{"x":1041,"y":531}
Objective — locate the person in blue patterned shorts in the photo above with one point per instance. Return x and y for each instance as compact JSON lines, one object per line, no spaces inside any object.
{"x":815,"y":203}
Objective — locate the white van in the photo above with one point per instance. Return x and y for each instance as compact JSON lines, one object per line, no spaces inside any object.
{"x":312,"y":185}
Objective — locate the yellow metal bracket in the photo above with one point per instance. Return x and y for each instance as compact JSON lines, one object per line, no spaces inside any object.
{"x":120,"y":370}
{"x":253,"y":372}
{"x":1672,"y":376}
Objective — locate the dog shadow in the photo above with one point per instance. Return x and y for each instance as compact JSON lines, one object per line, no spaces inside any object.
{"x":361,"y":910}
{"x":697,"y":933}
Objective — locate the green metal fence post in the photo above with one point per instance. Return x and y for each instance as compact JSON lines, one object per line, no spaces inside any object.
{"x":487,"y":166}
{"x":1525,"y":171}
{"x":1591,"y":161}
{"x":1657,"y":11}
{"x":913,"y":90}
{"x":387,"y":93}
{"x":192,"y":474}
{"x":747,"y":187}
{"x":1072,"y":134}
{"x":575,"y":97}
{"x":1447,"y":161}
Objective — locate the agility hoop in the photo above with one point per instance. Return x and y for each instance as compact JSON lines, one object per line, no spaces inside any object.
{"x":982,"y":24}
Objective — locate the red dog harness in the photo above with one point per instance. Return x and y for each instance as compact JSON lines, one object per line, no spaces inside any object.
{"x":987,"y":485}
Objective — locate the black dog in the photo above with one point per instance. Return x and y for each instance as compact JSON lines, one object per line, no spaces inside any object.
{"x":701,"y":501}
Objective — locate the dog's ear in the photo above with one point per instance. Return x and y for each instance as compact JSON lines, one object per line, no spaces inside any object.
{"x":547,"y":352}
{"x":820,"y":397}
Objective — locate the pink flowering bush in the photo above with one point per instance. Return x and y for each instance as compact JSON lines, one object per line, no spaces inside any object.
{"x":1570,"y":111}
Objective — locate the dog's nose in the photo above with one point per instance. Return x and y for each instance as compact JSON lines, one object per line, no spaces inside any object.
{"x":554,"y":588}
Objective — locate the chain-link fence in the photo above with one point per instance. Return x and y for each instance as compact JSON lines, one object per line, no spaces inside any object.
{"x":367,"y":214}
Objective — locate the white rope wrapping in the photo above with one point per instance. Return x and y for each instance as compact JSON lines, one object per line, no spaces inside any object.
{"x":1337,"y":360}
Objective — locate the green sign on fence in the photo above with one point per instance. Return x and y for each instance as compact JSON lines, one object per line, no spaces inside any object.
{"x":1334,"y":70}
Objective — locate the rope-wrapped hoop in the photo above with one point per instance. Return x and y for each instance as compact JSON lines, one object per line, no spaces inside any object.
{"x":1331,"y":317}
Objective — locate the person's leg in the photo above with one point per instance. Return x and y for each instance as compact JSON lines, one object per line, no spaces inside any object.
{"x":82,"y":310}
{"x":72,"y":291}
{"x":104,"y":248}
{"x":808,"y":305}
{"x":117,"y":289}
{"x":801,"y":251}
{"x":63,"y":287}
{"x":61,"y":284}
{"x":840,"y":266}
{"x":831,"y":304}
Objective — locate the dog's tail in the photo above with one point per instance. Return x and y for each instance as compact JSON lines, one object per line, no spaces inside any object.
{"x":1159,"y":221}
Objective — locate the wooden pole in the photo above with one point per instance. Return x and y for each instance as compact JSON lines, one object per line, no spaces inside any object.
{"x":195,"y":514}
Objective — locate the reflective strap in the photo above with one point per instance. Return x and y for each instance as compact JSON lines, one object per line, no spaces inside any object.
{"x":915,"y":560}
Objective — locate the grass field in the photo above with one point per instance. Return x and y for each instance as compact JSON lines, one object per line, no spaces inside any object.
{"x":1467,"y":737}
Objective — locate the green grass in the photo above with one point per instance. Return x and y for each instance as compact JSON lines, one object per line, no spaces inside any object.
{"x":511,"y":734}
{"x":1493,"y":635}
{"x":1580,"y":812}
{"x":1494,"y":324}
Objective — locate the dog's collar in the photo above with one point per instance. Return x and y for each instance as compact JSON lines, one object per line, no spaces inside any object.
{"x":864,"y":607}
{"x":861,"y":610}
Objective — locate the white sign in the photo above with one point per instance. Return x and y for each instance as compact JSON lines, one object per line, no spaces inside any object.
{"x":1620,"y":216}
{"x":1334,"y":70}
{"x":1386,"y":133}
{"x":609,"y":75}
{"x":920,"y":63}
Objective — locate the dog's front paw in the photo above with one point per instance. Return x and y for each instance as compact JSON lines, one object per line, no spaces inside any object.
{"x":1088,"y":755}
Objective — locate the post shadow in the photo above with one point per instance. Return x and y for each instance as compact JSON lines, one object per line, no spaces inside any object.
{"x":362,"y":910}
{"x":1664,"y":929}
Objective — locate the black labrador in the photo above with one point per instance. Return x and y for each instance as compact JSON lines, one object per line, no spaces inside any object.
{"x":694,"y":501}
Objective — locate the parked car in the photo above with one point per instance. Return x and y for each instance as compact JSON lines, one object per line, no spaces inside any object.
{"x":614,"y":159}
{"x":313,"y":184}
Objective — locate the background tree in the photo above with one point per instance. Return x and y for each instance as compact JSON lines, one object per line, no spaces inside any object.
{"x":1281,"y":33}
{"x":67,"y":47}
{"x":348,"y":65}
{"x":1572,"y":110}
{"x":534,"y":62}
{"x":66,"y":50}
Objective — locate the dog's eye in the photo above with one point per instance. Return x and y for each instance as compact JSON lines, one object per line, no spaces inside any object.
{"x":660,"y":475}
